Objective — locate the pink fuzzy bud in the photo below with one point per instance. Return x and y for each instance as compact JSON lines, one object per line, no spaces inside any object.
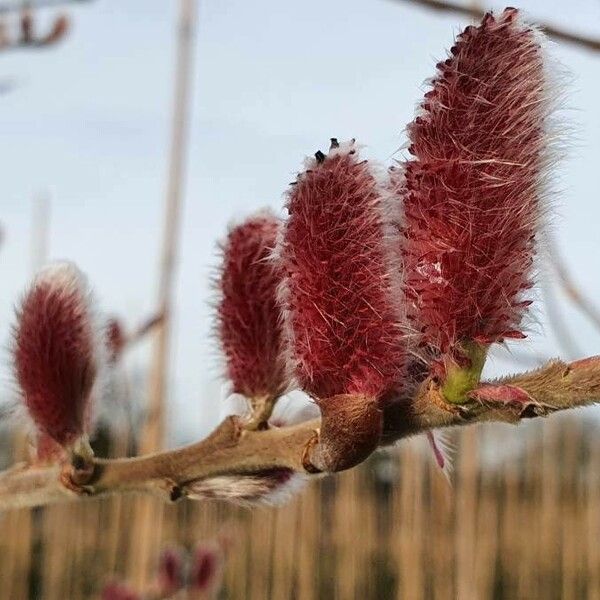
{"x":119,"y":591}
{"x":170,"y":572}
{"x":55,"y":352}
{"x":206,"y":570}
{"x":472,"y":191}
{"x":342,"y":306}
{"x":249,"y":323}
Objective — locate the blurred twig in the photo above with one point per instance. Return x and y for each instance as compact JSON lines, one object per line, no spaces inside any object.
{"x":27,"y":37}
{"x":573,"y":292}
{"x":477,"y":13}
{"x":10,"y":7}
{"x":564,"y":337}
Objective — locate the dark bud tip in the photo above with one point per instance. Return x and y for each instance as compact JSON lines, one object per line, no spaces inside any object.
{"x":319,"y":156}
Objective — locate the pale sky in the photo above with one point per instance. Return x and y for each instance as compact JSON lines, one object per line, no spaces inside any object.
{"x":89,"y":122}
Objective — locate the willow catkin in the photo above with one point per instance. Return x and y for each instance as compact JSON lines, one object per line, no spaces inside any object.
{"x":472,"y":191}
{"x":249,"y":321}
{"x":340,"y":289}
{"x":57,"y":354}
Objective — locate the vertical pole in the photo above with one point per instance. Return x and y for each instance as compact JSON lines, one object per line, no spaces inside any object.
{"x":147,"y":530}
{"x":154,"y":431}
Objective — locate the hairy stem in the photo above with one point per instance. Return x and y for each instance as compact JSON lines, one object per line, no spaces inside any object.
{"x":232,"y":449}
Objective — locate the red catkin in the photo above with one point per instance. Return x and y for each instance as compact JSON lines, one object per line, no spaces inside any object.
{"x":206,"y":568}
{"x":471,"y":193}
{"x":55,"y":352}
{"x":170,"y":572}
{"x":249,"y":318}
{"x":341,"y":301}
{"x":119,"y":591}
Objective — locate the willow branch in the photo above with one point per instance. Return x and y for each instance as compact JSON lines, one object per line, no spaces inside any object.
{"x":232,"y":449}
{"x":477,"y":13}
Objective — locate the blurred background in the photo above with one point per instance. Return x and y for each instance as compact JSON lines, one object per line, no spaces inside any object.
{"x":133,"y":132}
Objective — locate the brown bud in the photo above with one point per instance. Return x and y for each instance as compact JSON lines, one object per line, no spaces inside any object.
{"x":351,"y":427}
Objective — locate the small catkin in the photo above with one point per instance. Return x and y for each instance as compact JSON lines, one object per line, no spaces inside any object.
{"x":55,"y":352}
{"x":249,"y":317}
{"x":206,"y":571}
{"x":340,"y":292}
{"x":170,"y":571}
{"x":119,"y":591}
{"x":472,"y":192}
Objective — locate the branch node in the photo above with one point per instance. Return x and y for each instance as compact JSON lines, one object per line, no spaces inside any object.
{"x":76,"y":480}
{"x":307,"y":453}
{"x":174,"y":490}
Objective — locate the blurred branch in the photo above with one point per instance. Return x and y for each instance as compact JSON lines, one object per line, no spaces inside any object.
{"x":27,"y":37}
{"x":10,"y":7}
{"x":118,"y":340}
{"x":145,"y":328}
{"x":564,"y":337}
{"x":236,"y":450}
{"x":573,"y":292}
{"x":477,"y":13}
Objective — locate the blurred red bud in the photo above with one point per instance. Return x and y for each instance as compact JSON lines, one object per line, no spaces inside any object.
{"x":26,"y":23}
{"x":206,"y":570}
{"x":119,"y":591}
{"x":115,"y":340}
{"x":170,"y":571}
{"x":59,"y":30}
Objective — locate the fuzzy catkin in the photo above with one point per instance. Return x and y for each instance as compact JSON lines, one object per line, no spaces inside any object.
{"x":341,"y":309}
{"x":170,"y":571}
{"x":249,"y":317}
{"x":472,"y":191}
{"x":56,"y":352}
{"x":206,"y":569}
